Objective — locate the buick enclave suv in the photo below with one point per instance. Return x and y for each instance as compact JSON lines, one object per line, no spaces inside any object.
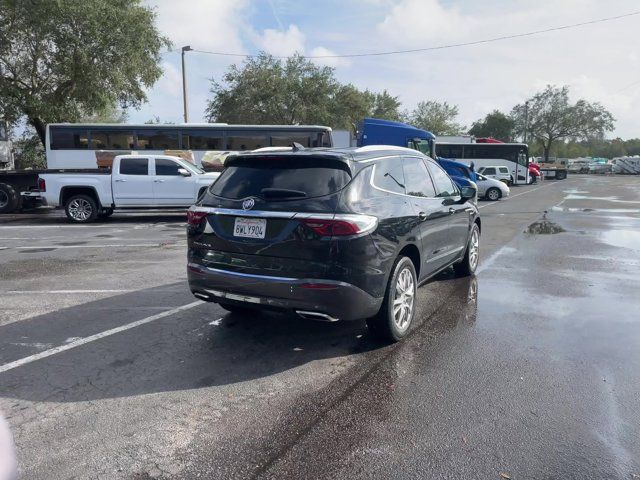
{"x":330,"y":234}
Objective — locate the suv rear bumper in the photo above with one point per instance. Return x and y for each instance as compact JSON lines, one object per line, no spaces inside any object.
{"x":327,"y":300}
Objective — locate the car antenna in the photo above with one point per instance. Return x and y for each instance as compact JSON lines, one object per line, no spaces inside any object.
{"x":296,"y":147}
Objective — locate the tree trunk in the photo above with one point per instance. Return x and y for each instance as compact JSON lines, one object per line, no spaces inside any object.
{"x":40,"y":127}
{"x":546,"y":149}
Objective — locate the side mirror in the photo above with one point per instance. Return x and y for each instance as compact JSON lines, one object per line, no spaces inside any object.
{"x":184,"y":172}
{"x":467,"y":193}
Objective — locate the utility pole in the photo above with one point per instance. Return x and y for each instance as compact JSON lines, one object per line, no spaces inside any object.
{"x":526,"y":119}
{"x":184,"y":85}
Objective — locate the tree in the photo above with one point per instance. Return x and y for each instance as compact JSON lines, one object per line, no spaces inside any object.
{"x":109,"y":114}
{"x":438,"y":118}
{"x":265,"y":90}
{"x":385,"y":106}
{"x":65,"y":59}
{"x":551,"y":117}
{"x":495,"y":125}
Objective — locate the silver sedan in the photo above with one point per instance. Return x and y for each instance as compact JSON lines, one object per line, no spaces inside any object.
{"x":490,"y":188}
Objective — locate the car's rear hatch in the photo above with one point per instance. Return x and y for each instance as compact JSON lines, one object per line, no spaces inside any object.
{"x":271,"y":214}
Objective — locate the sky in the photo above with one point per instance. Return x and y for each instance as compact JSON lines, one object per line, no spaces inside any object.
{"x":599,"y":62}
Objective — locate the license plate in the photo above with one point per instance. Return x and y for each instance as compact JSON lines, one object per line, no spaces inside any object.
{"x":250,"y":227}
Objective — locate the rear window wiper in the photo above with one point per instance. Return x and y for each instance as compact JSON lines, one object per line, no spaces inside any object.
{"x":282,"y":193}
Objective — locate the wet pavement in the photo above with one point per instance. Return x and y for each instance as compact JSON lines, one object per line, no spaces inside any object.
{"x":528,"y":370}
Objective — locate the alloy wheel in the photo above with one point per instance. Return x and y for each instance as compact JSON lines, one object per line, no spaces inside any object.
{"x":493,"y":194}
{"x":474,"y":249}
{"x":80,"y":209}
{"x":404,"y":299}
{"x":4,"y":199}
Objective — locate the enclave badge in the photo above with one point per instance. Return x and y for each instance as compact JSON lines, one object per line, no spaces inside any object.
{"x":248,"y":204}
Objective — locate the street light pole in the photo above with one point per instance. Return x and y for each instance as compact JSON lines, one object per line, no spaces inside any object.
{"x":184,"y":85}
{"x":526,"y":120}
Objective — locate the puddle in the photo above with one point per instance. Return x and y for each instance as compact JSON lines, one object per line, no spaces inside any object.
{"x":573,"y":196}
{"x":37,"y":250}
{"x":622,"y":238}
{"x":104,"y":236}
{"x":544,"y":227}
{"x":72,"y":244}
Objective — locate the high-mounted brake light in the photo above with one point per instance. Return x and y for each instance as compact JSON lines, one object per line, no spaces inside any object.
{"x":341,"y":225}
{"x":194,"y":217}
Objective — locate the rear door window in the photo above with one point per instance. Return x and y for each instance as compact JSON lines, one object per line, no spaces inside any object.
{"x":504,"y":170}
{"x":282,"y":177}
{"x":417,"y":180}
{"x":389,"y":175}
{"x":444,"y":185}
{"x":134,"y":166}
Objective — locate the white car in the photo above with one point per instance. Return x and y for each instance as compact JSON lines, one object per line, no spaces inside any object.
{"x":498,"y":172}
{"x":490,"y":188}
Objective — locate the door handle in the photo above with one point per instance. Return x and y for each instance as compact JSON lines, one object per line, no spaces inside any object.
{"x":120,"y":180}
{"x":158,"y":181}
{"x":422,"y":215}
{"x":452,"y":210}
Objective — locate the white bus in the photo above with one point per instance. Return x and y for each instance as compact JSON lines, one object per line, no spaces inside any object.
{"x":515,"y":156}
{"x":73,"y":145}
{"x":6,"y":150}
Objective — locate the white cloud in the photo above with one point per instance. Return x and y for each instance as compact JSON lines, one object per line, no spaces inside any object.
{"x":330,"y":62}
{"x":281,"y":43}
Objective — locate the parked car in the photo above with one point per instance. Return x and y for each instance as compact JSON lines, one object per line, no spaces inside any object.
{"x":497,"y":172}
{"x":134,"y":181}
{"x":600,"y":167}
{"x":330,"y":234}
{"x":490,"y":188}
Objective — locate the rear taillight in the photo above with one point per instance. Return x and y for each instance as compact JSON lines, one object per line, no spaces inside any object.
{"x":341,"y":225}
{"x":42,"y":185}
{"x":194,"y":217}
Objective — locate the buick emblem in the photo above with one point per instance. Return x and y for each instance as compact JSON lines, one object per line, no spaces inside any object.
{"x":248,"y":204}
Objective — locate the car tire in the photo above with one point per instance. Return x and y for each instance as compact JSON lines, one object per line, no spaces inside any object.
{"x":469,"y":262}
{"x":493,"y":194}
{"x":9,"y":198}
{"x":393,"y":321}
{"x":81,"y":209}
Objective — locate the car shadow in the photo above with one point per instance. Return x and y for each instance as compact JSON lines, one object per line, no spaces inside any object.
{"x":200,"y":347}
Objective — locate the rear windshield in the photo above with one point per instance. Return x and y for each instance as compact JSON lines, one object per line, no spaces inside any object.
{"x":314,"y":177}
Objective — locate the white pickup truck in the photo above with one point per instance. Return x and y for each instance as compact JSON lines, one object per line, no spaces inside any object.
{"x":134,"y":181}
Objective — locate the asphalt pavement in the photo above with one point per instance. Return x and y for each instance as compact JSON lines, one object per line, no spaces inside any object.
{"x":109,"y":368}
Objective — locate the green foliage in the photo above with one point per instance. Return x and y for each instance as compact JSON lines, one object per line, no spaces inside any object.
{"x":61,"y":60}
{"x":436,"y":117}
{"x":550,"y":117}
{"x":109,"y":114}
{"x":266,"y":90}
{"x":29,"y":152}
{"x":495,"y":125}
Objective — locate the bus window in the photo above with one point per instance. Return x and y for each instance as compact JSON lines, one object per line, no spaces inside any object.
{"x":69,"y":139}
{"x":246,"y":140}
{"x":157,"y":140}
{"x":111,"y":140}
{"x":202,"y":140}
{"x":284,"y":139}
{"x":449,"y":151}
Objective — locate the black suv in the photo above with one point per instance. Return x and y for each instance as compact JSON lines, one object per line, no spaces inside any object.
{"x":330,"y":234}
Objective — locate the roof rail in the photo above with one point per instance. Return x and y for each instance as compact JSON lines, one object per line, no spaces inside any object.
{"x":380,"y":148}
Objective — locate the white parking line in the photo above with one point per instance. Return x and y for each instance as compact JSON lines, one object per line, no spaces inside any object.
{"x":111,"y":245}
{"x":521,"y":193}
{"x":83,"y":341}
{"x":29,"y":292}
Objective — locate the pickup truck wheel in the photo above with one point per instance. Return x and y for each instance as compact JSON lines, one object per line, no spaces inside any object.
{"x":81,"y":209}
{"x":9,"y":198}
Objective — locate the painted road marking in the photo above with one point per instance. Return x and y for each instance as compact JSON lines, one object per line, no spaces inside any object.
{"x":113,"y":245}
{"x":29,"y":292}
{"x":83,"y":341}
{"x":518,"y":194}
